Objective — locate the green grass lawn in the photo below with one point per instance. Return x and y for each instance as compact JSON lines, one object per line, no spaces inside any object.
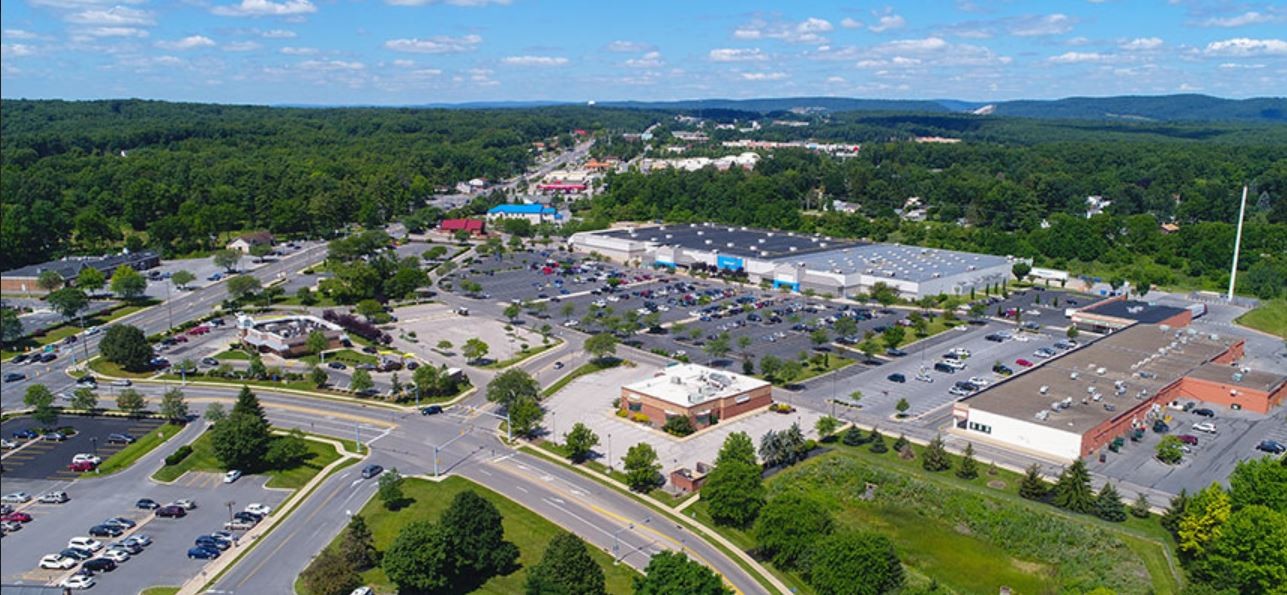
{"x":232,"y":355}
{"x":558,"y":450}
{"x":348,"y":356}
{"x":812,"y":370}
{"x":522,"y":355}
{"x":1270,"y":317}
{"x":107,"y":368}
{"x":524,"y":528}
{"x":125,"y":457}
{"x":160,"y":591}
{"x":959,"y":554}
{"x":62,"y":331}
{"x":203,"y":459}
{"x":595,"y":365}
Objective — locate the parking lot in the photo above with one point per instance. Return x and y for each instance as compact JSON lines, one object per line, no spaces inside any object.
{"x":48,"y":459}
{"x":1213,"y":457}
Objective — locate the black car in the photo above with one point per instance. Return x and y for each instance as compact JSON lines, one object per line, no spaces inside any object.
{"x":431,"y":410}
{"x":25,"y":434}
{"x":18,"y":359}
{"x":892,"y":352}
{"x":99,"y":565}
{"x":147,"y":504}
{"x":120,"y":439}
{"x":14,"y":377}
{"x":1204,"y":412}
{"x":1271,"y":446}
{"x":944,"y":368}
{"x":209,"y":361}
{"x":176,"y":512}
{"x":995,"y":338}
{"x":105,"y":531}
{"x":249,"y":517}
{"x":897,"y":378}
{"x":370,"y":471}
{"x":1002,"y":370}
{"x":76,"y":553}
{"x":336,"y":365}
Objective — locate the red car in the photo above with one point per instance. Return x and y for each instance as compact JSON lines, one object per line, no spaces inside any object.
{"x":81,"y":466}
{"x":1023,"y":362}
{"x":1189,"y":439}
{"x":199,"y":330}
{"x":17,"y":517}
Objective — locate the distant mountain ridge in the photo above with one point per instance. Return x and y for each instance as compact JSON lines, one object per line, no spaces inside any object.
{"x":1190,"y":107}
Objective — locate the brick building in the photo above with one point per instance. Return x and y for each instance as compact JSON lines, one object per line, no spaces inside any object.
{"x":24,"y":280}
{"x":696,"y":392}
{"x":1118,"y":312}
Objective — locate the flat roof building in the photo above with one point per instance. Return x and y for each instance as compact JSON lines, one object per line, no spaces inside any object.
{"x":1119,"y":312}
{"x":1078,"y":402}
{"x":23,"y":280}
{"x":287,"y":336}
{"x":801,"y":261}
{"x":699,"y":393}
{"x":536,"y":213}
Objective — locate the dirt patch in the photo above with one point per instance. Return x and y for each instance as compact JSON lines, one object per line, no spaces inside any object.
{"x":997,"y":484}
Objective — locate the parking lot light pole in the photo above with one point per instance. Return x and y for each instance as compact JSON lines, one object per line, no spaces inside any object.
{"x":94,"y":441}
{"x":230,"y":504}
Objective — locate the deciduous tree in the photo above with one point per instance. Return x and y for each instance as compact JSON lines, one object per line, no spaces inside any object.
{"x":390,"y":488}
{"x":125,"y":346}
{"x":672,"y":573}
{"x":788,"y":527}
{"x":174,"y":406}
{"x":420,"y":558}
{"x":128,"y":283}
{"x":601,"y":345}
{"x":566,"y":568}
{"x":476,"y":537}
{"x":852,"y":563}
{"x":642,"y":468}
{"x":580,"y":442}
{"x":131,"y":402}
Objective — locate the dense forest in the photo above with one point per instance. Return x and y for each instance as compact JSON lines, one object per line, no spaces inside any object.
{"x":78,"y":176}
{"x":1010,"y":198}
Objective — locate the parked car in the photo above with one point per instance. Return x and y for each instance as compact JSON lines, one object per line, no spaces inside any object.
{"x":82,"y":466}
{"x":1271,"y":446}
{"x":1002,"y":369}
{"x":141,"y":539}
{"x":55,"y":497}
{"x":979,"y":381}
{"x":231,"y":476}
{"x":186,"y":503}
{"x":370,"y":471}
{"x":99,"y":565}
{"x":121,"y":522}
{"x":896,"y":378}
{"x":26,"y":434}
{"x":16,"y":498}
{"x":76,"y":553}
{"x":116,"y":555}
{"x":85,"y":543}
{"x":120,"y":439}
{"x":16,"y":517}
{"x":1189,"y":439}
{"x":131,"y":547}
{"x":336,"y":365}
{"x":1205,"y":426}
{"x":54,"y":436}
{"x":147,"y":504}
{"x":1023,"y":362}
{"x":105,"y":531}
{"x":171,"y":512}
{"x":259,"y":509}
{"x":923,"y":377}
{"x":431,"y":410}
{"x":944,"y":368}
{"x":57,"y":562}
{"x":77,"y":582}
{"x":892,"y":352}
{"x":203,"y":553}
{"x":1204,"y":412}
{"x":239,"y":525}
{"x":14,"y":377}
{"x":87,"y":457}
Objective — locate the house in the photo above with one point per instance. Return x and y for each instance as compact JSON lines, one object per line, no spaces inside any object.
{"x":1170,"y":228}
{"x":606,"y":165}
{"x":536,"y":213}
{"x":246,"y":241}
{"x":475,"y":227}
{"x":24,"y":280}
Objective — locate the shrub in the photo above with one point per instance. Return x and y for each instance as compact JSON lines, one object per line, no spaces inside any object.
{"x":178,"y":455}
{"x":640,"y":417}
{"x":679,"y":425}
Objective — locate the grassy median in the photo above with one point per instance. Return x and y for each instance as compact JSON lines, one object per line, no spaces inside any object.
{"x":203,"y":458}
{"x":127,"y":456}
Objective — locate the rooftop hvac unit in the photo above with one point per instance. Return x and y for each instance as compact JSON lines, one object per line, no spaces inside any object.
{"x":1072,"y":375}
{"x":761,"y":240}
{"x":1043,"y":415}
{"x":729,"y":244}
{"x":701,"y":232}
{"x":1101,"y":371}
{"x":1044,"y":389}
{"x":708,"y":242}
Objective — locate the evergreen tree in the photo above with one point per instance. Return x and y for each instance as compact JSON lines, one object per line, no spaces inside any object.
{"x":855,"y":564}
{"x":1140,"y":509}
{"x":329,"y":574}
{"x":1171,"y":518}
{"x":852,"y":436}
{"x":247,"y":402}
{"x":1072,"y":491}
{"x":1033,"y":486}
{"x":1108,"y":505}
{"x":566,"y":568}
{"x":969,"y":467}
{"x":357,"y":546}
{"x":901,"y":443}
{"x":878,"y":442}
{"x":936,"y":458}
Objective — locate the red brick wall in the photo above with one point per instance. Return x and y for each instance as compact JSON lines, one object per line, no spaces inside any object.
{"x":1179,"y":320}
{"x":15,"y":285}
{"x":1219,"y":393}
{"x":1235,"y":353}
{"x":1101,"y":435}
{"x":725,"y":408}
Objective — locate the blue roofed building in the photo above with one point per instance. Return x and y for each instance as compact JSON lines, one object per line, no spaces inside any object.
{"x":536,"y":213}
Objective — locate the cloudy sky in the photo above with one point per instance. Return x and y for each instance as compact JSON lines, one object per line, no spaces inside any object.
{"x":421,"y":51}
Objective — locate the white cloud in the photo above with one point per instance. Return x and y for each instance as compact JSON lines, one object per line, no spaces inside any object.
{"x":330,"y":65}
{"x":451,"y":2}
{"x":19,"y":34}
{"x":737,"y":55}
{"x":534,"y":60}
{"x":888,"y":22}
{"x":116,"y":16}
{"x":1242,"y":20}
{"x":439,"y":44}
{"x":404,"y":63}
{"x":481,"y":77}
{"x":1040,"y":25}
{"x":648,"y":60}
{"x":1143,"y":43}
{"x":298,"y":51}
{"x":1078,"y":58}
{"x":11,"y":50}
{"x":849,"y":23}
{"x":836,"y":80}
{"x":114,"y":32}
{"x":187,"y":43}
{"x":1236,"y":66}
{"x":921,"y":53}
{"x":808,"y":31}
{"x":1243,"y":46}
{"x":627,"y":47}
{"x":241,"y":46}
{"x":917,"y":45}
{"x":277,"y":34}
{"x":763,"y":76}
{"x":259,"y":8}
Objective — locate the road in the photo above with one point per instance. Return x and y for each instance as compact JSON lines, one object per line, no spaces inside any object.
{"x":189,"y":306}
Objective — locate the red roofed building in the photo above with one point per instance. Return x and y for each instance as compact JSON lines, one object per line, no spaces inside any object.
{"x":473,"y":226}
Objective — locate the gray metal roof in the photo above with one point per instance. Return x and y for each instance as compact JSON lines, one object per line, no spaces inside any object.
{"x":733,"y":240}
{"x":71,"y":266}
{"x":912,"y":263}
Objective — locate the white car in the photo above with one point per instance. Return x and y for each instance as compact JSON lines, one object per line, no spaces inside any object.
{"x":184,"y":503}
{"x":57,"y":562}
{"x":231,"y":476}
{"x":116,"y":555}
{"x":6,"y":443}
{"x":1205,"y":426}
{"x":980,"y":381}
{"x":86,"y":457}
{"x":259,"y":509}
{"x":238,"y":525}
{"x":122,"y":382}
{"x":53,"y":497}
{"x":16,"y":498}
{"x":363,"y":590}
{"x":85,"y":543}
{"x":77,"y":581}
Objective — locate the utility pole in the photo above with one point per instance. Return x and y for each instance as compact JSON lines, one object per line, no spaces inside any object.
{"x":1237,"y":244}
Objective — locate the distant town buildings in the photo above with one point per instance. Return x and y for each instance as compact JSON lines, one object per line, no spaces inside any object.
{"x":475,"y":227}
{"x":246,"y":241}
{"x":536,"y":213}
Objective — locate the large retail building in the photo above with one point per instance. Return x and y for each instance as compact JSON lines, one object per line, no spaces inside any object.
{"x":1080,"y":401}
{"x":800,"y":261}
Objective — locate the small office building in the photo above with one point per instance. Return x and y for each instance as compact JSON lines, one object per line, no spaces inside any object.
{"x":24,"y":280}
{"x":696,"y":392}
{"x":536,"y":213}
{"x":287,"y":336}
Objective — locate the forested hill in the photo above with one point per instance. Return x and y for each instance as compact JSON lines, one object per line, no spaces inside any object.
{"x":1171,"y":108}
{"x":78,"y":176}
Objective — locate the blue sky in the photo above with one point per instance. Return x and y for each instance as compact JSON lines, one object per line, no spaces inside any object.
{"x":422,"y":51}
